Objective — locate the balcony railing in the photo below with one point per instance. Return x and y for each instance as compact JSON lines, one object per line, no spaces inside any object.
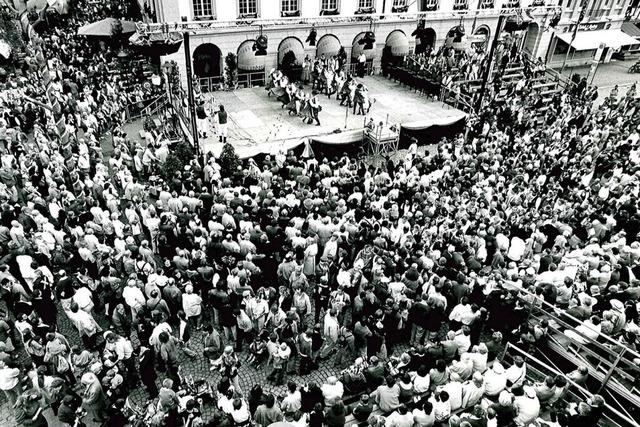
{"x":365,"y":11}
{"x":330,"y":12}
{"x":400,"y":9}
{"x":268,"y":23}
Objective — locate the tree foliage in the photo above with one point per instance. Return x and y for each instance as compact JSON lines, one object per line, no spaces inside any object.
{"x":179,"y":156}
{"x":231,"y":69}
{"x":229,"y":160}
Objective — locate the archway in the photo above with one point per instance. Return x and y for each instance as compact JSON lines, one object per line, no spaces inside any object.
{"x":328,"y":45}
{"x":397,"y":43}
{"x":531,"y":38}
{"x":250,"y":66}
{"x":207,"y":61}
{"x":396,"y":47}
{"x":425,"y":40}
{"x":455,"y":38}
{"x":291,"y":44}
{"x":481,"y":37}
{"x":290,"y":57}
{"x":357,"y":49}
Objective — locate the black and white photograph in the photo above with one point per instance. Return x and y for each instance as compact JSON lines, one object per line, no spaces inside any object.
{"x":319,"y":213}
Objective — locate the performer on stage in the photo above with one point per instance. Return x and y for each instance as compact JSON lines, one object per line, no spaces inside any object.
{"x":201,"y":120}
{"x":222,"y":124}
{"x":314,"y":104}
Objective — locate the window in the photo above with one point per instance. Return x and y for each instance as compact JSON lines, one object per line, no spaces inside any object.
{"x":203,"y":9}
{"x":248,"y":7}
{"x":511,"y":4}
{"x":289,"y":6}
{"x":486,"y":4}
{"x":365,"y":4}
{"x":429,"y":5}
{"x":399,"y":6}
{"x":329,"y":5}
{"x":460,"y":5}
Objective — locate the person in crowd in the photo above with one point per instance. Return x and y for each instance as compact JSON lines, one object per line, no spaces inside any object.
{"x":447,"y":250}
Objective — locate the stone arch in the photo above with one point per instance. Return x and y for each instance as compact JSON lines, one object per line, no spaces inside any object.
{"x":247,"y":60}
{"x":426,"y":38}
{"x":207,"y":61}
{"x":291,"y":44}
{"x":397,"y":43}
{"x":481,"y":36}
{"x":357,"y":48}
{"x":329,"y":45}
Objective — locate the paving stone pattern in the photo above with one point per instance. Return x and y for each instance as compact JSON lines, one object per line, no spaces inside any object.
{"x":196,"y":367}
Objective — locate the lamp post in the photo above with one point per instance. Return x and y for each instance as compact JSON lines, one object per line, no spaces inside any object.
{"x":489,"y":66}
{"x":583,"y":6}
{"x":190,"y":96}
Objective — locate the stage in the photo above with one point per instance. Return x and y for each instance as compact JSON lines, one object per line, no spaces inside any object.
{"x":257,"y":124}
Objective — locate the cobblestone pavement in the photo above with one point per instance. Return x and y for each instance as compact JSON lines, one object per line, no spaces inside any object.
{"x":196,"y":367}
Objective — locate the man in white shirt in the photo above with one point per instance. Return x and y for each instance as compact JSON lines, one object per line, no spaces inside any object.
{"x":330,"y":334}
{"x":332,"y":391}
{"x":134,"y":298}
{"x":192,"y":305}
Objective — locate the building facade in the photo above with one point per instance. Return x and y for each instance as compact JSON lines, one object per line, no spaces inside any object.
{"x":589,"y":30}
{"x":218,"y":27}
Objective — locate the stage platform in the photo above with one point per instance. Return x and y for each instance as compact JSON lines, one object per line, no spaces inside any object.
{"x":257,"y":124}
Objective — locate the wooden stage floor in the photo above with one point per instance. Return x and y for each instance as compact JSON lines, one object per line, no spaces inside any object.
{"x":257,"y":124}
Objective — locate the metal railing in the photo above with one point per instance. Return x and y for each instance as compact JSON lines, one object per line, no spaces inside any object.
{"x":210,"y":84}
{"x":254,"y":78}
{"x":541,"y":370}
{"x":244,"y":79}
{"x":321,"y":21}
{"x":610,"y":362}
{"x":369,"y":68}
{"x":149,"y":107}
{"x":456,"y":99}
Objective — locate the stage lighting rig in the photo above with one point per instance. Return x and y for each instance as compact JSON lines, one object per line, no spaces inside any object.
{"x":311,"y":38}
{"x":368,"y":40}
{"x":261,"y":44}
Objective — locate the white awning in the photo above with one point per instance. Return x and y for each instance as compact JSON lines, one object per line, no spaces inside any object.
{"x":589,"y":40}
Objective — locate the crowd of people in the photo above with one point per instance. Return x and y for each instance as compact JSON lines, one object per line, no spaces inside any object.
{"x":406,"y":279}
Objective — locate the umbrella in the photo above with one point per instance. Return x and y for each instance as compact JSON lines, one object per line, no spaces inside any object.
{"x":106,"y":28}
{"x":156,"y":44}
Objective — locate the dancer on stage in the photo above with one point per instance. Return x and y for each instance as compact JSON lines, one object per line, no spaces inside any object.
{"x":314,"y":104}
{"x":222,"y":124}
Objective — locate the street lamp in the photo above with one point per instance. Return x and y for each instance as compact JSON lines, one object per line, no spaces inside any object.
{"x":190,"y":95}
